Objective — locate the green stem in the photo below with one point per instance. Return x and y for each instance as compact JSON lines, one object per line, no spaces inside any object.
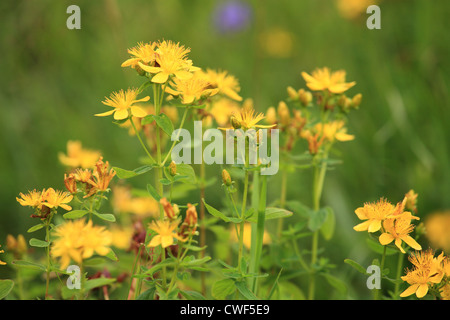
{"x":140,"y":140}
{"x":244,"y":206}
{"x":47,"y":238}
{"x":383,"y":258}
{"x":319,"y":178}
{"x":183,"y":119}
{"x":399,"y":273}
{"x":282,"y":201}
{"x":260,"y":229}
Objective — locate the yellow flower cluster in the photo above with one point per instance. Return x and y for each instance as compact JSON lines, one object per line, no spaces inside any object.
{"x":394,"y":223}
{"x":78,"y":157}
{"x":437,"y":226}
{"x":124,"y":202}
{"x":78,"y":240}
{"x":428,"y":271}
{"x":45,"y":200}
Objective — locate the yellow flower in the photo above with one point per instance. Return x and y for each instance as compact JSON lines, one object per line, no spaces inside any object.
{"x":123,"y":202}
{"x":77,"y":240}
{"x":190,"y":90}
{"x":247,"y":118}
{"x":445,"y":292}
{"x":222,"y":109}
{"x":102,"y":176}
{"x":55,"y":198}
{"x":323,"y":79}
{"x":427,"y":271}
{"x":247,"y":236}
{"x":277,"y":43}
{"x":32,"y":199}
{"x":17,"y":246}
{"x":351,"y":9}
{"x":143,"y":52}
{"x":437,"y":226}
{"x":165,"y":233}
{"x":121,"y":237}
{"x":2,"y":263}
{"x":226,"y":83}
{"x":334,"y":130}
{"x":397,"y":229}
{"x":171,"y":59}
{"x":122,"y":102}
{"x":77,"y":157}
{"x":374,"y":214}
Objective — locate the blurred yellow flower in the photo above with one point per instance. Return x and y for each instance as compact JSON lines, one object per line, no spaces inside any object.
{"x":77,"y":157}
{"x":247,"y":236}
{"x":324,"y":79}
{"x":121,"y":237}
{"x":17,"y":246}
{"x":226,"y":83}
{"x":165,"y":233}
{"x":171,"y":59}
{"x":222,"y":109}
{"x":123,"y":202}
{"x":77,"y":240}
{"x":277,"y":43}
{"x":437,"y":226}
{"x":351,"y":9}
{"x":2,"y":263}
{"x":122,"y":102}
{"x":427,"y":271}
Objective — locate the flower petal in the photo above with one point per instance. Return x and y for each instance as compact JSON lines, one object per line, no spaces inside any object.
{"x":121,"y":114}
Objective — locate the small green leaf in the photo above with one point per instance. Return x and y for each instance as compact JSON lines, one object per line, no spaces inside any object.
{"x":223,"y":288}
{"x":5,"y":287}
{"x":99,"y":282}
{"x":126,"y":174}
{"x":152,"y":191}
{"x":75,"y":214}
{"x":355,"y":265}
{"x":112,"y":256}
{"x":105,"y":216}
{"x":328,"y":226}
{"x":35,"y":228}
{"x":299,"y":208}
{"x":272,"y":213}
{"x":317,"y":219}
{"x":148,"y":294}
{"x":192,"y":295}
{"x":29,"y":265}
{"x":220,"y":215}
{"x":164,"y":122}
{"x":337,"y":283}
{"x":187,"y":172}
{"x":245,"y":291}
{"x":38,"y":243}
{"x":379,"y":248}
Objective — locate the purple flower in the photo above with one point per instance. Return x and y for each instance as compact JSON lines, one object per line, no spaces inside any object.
{"x":232,"y":16}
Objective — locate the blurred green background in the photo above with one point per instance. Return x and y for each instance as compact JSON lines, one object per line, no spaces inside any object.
{"x":53,"y":81}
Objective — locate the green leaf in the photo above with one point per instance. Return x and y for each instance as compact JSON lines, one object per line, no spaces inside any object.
{"x":355,"y":265}
{"x":35,"y":228}
{"x":126,"y":174}
{"x":5,"y":287}
{"x":299,"y":208}
{"x":99,"y":282}
{"x":75,"y":214}
{"x":194,"y":262}
{"x":223,"y":288}
{"x":164,"y":122}
{"x":317,"y":219}
{"x":219,"y":214}
{"x":245,"y":291}
{"x":188,"y":172}
{"x":165,"y":263}
{"x":272,"y":213}
{"x":112,"y":255}
{"x":29,"y":265}
{"x":152,"y":191}
{"x":192,"y":295}
{"x":105,"y":216}
{"x":328,"y":226}
{"x":337,"y":283}
{"x":148,"y":294}
{"x":38,"y":243}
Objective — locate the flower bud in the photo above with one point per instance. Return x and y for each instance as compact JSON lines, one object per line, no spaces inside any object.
{"x":356,"y":100}
{"x":411,"y":201}
{"x":173,"y":168}
{"x":70,"y":183}
{"x":271,"y":115}
{"x":305,"y":97}
{"x":283,"y":113}
{"x":191,"y":216}
{"x":235,"y":123}
{"x":292,"y":93}
{"x":168,"y":209}
{"x":226,"y":178}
